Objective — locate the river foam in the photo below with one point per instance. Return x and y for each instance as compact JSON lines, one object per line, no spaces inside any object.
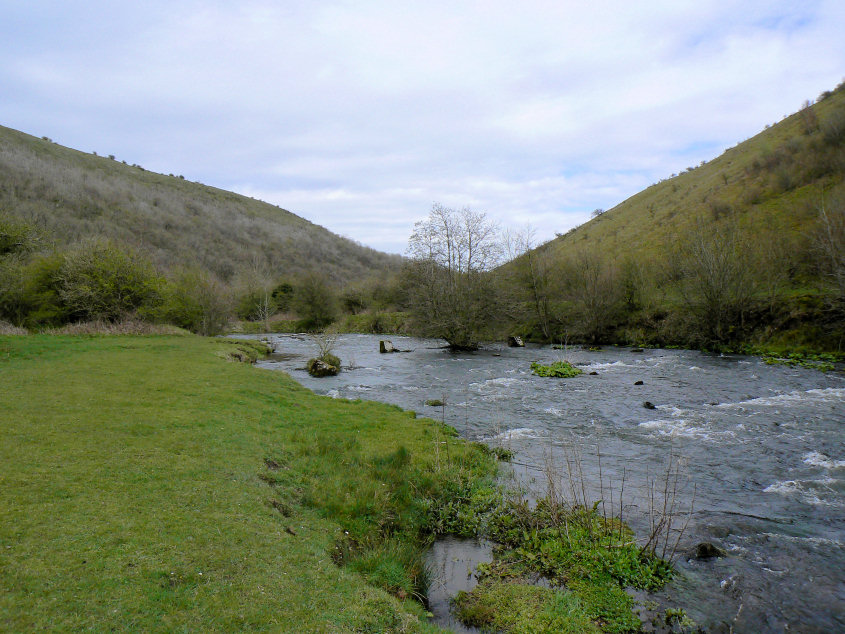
{"x":824,"y":395}
{"x":517,"y":434}
{"x":818,"y":459}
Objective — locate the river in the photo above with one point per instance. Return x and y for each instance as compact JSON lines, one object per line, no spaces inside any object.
{"x":759,"y":449}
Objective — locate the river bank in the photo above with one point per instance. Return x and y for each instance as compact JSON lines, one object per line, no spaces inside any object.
{"x":157,"y":484}
{"x":759,"y":445}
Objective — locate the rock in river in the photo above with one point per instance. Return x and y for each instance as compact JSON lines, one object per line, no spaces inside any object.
{"x":319,"y":368}
{"x":385,"y":347}
{"x":707,"y":550}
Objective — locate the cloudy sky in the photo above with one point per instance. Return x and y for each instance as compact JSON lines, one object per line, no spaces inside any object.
{"x":359,"y":115}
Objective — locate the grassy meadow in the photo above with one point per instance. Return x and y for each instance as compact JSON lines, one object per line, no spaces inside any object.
{"x":154,"y":484}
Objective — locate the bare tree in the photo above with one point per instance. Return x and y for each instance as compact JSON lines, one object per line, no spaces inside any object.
{"x":450,"y":291}
{"x":257,"y":286}
{"x":830,"y":242}
{"x":531,"y":267}
{"x":717,"y":282}
{"x":590,"y":288}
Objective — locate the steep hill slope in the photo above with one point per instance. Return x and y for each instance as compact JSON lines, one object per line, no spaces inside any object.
{"x":772,"y":182}
{"x":748,"y":248}
{"x":72,"y":195}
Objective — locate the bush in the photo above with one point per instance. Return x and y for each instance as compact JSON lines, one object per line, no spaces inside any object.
{"x":315,"y":301}
{"x":833,"y":127}
{"x":199,"y":302}
{"x":15,"y":237}
{"x":29,"y":291}
{"x":256,"y":305}
{"x":99,"y":281}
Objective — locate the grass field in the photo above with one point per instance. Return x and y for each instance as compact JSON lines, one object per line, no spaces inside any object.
{"x":153,"y":484}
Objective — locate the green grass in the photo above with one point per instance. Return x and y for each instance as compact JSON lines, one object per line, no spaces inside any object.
{"x":514,"y":607}
{"x":588,"y":560}
{"x":149,"y":484}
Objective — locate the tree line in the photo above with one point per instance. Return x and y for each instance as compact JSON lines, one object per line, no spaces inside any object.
{"x":44,"y":285}
{"x":719,"y":285}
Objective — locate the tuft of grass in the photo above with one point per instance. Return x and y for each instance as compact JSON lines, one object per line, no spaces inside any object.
{"x":10,"y":329}
{"x":587,"y":558}
{"x":505,"y":606}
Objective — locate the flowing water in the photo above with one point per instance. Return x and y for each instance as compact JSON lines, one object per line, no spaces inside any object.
{"x":761,"y":449}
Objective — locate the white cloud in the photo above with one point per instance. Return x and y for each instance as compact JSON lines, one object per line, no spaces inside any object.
{"x":359,"y":115}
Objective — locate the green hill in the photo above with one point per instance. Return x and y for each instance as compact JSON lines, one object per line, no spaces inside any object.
{"x":70,"y":195}
{"x":746,"y":249}
{"x":773,"y":181}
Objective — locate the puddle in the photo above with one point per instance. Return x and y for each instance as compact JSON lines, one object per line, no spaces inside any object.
{"x":451,"y":562}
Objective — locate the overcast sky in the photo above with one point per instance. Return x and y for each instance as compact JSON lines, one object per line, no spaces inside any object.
{"x":359,"y":115}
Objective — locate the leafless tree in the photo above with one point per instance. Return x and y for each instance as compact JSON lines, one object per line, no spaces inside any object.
{"x":450,"y":292}
{"x":830,"y":242}
{"x":259,"y":284}
{"x":590,"y":288}
{"x":718,"y":281}
{"x":532,"y":266}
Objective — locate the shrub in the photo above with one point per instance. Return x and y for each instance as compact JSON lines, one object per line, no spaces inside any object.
{"x":199,"y":302}
{"x":833,"y":127}
{"x":256,"y":304}
{"x":99,"y":281}
{"x":15,"y":237}
{"x":29,"y":291}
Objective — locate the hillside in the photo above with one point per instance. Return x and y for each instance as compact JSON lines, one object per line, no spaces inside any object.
{"x":70,"y":195}
{"x":745,"y":250}
{"x":772,"y":182}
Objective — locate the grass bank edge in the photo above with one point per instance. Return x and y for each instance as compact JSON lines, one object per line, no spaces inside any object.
{"x":245,"y":462}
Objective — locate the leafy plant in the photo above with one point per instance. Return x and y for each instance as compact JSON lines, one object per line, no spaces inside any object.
{"x":558,"y":369}
{"x":99,"y":280}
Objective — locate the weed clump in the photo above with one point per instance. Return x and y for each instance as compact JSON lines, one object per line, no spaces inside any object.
{"x":585,"y":554}
{"x":820,"y":362}
{"x":558,"y":369}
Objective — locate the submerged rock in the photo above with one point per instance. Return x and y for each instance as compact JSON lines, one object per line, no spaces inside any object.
{"x":649,"y":405}
{"x":638,"y":382}
{"x":707,"y":550}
